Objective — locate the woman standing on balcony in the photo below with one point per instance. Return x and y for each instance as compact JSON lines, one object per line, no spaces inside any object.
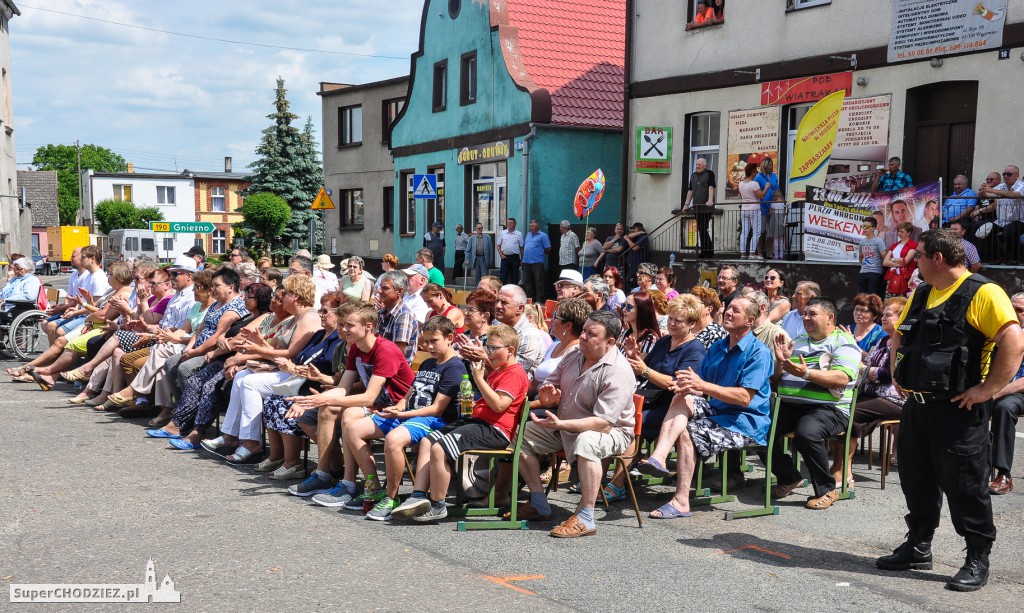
{"x":750,"y":193}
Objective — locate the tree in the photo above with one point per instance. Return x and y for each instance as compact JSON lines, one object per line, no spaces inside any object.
{"x":62,"y":159}
{"x":119,"y":214}
{"x":288,"y":164}
{"x":266,"y":216}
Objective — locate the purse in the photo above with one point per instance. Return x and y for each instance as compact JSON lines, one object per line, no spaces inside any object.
{"x":293,"y":384}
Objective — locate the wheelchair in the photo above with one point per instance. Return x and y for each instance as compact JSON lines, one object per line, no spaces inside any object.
{"x":21,"y":333}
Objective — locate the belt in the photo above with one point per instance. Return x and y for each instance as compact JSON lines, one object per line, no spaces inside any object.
{"x":926,"y":397}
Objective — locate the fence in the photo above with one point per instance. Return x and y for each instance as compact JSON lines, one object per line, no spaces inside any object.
{"x":681,"y":234}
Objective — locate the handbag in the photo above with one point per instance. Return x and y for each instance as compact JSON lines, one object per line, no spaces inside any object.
{"x":293,"y":384}
{"x":898,"y":281}
{"x":651,"y":393}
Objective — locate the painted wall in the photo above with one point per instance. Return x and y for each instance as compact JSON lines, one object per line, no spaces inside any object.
{"x":15,"y":222}
{"x":499,"y":102}
{"x":560,"y":159}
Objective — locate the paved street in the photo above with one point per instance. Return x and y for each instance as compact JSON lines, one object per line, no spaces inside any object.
{"x":88,"y":499}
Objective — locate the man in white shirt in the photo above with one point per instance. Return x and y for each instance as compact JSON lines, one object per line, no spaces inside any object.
{"x":59,"y":314}
{"x":418,"y":275}
{"x":1009,"y":209}
{"x":510,"y":250}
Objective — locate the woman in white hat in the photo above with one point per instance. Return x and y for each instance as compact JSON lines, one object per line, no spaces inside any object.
{"x":324,"y":280}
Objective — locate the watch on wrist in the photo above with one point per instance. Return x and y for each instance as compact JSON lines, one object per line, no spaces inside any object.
{"x":807,"y":375}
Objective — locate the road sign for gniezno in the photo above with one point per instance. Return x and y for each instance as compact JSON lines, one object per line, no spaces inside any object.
{"x":185,"y":227}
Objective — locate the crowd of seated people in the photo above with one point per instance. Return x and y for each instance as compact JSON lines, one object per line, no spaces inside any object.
{"x":277,"y":360}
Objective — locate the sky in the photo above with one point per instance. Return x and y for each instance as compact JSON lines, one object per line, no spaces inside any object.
{"x":168,"y":102}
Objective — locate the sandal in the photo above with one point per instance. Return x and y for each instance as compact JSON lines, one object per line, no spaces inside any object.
{"x":244,"y":456}
{"x":74,"y":375}
{"x":667,"y":511}
{"x":213,"y":444}
{"x":268,"y":465}
{"x":653,"y":468}
{"x":781,"y":491}
{"x":161,"y":433}
{"x":80,"y":399}
{"x":119,"y":401}
{"x":184,"y":444}
{"x":613,"y":493}
{"x":23,"y":378}
{"x":43,"y":385}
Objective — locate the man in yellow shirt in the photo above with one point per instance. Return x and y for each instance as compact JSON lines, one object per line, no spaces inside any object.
{"x":944,"y":359}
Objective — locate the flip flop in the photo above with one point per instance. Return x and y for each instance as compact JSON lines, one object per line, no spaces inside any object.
{"x":119,"y":401}
{"x":23,"y":378}
{"x":668,"y":511}
{"x":183,"y":444}
{"x":161,"y":433}
{"x":653,"y":467}
{"x":43,"y":385}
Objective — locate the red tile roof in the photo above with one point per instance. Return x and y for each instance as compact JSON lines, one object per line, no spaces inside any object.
{"x":574,"y":49}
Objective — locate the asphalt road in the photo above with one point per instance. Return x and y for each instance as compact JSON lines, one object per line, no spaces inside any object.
{"x":86,"y":498}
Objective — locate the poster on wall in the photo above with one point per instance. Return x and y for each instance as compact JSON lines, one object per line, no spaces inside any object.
{"x":926,"y":28}
{"x":862,"y":144}
{"x":753,"y":136}
{"x":654,"y":149}
{"x":833,"y":220}
{"x":812,"y":148}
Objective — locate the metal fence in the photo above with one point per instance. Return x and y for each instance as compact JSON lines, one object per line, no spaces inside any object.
{"x":681,"y":234}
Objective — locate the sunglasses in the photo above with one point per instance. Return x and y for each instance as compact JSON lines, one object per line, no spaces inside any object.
{"x":770,"y":278}
{"x":627,"y":308}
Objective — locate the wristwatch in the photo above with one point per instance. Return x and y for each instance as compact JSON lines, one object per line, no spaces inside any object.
{"x":807,"y":375}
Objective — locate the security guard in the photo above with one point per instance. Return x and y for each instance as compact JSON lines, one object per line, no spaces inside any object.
{"x":945,"y":360}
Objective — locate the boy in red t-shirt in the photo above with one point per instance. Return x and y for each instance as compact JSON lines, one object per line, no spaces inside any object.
{"x":502,"y":394}
{"x":380,"y":366}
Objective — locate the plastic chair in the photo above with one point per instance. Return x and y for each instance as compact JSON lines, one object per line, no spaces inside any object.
{"x":462,"y":508}
{"x":627,"y":457}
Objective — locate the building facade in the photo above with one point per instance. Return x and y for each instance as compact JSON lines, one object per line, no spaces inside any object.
{"x":358,"y":172}
{"x":218,"y":199}
{"x":15,"y":219}
{"x":40,"y":188}
{"x":740,"y":86}
{"x":510,"y":114}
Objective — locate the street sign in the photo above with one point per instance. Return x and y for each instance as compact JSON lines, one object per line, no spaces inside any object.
{"x":184,"y":227}
{"x":654,"y":149}
{"x":424,"y":186}
{"x":323,"y":202}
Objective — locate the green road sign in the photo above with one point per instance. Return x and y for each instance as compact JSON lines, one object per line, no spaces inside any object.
{"x":185,"y":227}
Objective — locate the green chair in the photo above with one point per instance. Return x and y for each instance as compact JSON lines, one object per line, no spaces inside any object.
{"x":493,"y":455}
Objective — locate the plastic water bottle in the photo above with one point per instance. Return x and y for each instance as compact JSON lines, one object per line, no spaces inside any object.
{"x":672,"y":259}
{"x":368,"y":489}
{"x":465,"y":398}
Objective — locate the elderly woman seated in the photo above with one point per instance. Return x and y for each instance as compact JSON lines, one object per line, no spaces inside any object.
{"x":254,"y":380}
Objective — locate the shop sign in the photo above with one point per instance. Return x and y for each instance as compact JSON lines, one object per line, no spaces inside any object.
{"x":927,"y":28}
{"x":501,"y":150}
{"x":805,"y":89}
{"x":654,"y":149}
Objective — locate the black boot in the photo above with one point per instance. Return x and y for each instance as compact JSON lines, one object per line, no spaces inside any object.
{"x":915,"y":553}
{"x":973,"y":574}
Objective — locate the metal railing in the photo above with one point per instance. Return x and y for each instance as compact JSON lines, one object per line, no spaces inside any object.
{"x":681,"y":234}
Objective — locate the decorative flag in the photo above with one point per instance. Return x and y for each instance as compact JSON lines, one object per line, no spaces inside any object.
{"x":813,"y":147}
{"x":589,"y":194}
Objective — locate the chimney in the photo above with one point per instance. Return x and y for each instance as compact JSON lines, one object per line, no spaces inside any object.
{"x":131,"y":168}
{"x":227,"y":164}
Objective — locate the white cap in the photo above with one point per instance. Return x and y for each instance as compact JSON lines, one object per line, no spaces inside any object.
{"x":184,"y":263}
{"x":570,"y":275}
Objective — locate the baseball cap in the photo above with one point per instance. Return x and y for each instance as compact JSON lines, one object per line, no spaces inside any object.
{"x":183,"y":263}
{"x":417,"y":269}
{"x":196,"y":250}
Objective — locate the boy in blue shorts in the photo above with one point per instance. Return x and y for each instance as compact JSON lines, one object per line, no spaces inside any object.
{"x":502,"y":394}
{"x":428,"y":406}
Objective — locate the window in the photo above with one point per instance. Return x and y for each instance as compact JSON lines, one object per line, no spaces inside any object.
{"x":351,"y":208}
{"x":123,"y":193}
{"x":440,"y":85}
{"x":467,"y":79}
{"x":389,"y":207}
{"x":389,"y":113}
{"x":164,"y":195}
{"x":793,"y":5}
{"x":148,"y":244}
{"x":435,"y":206}
{"x":168,"y":244}
{"x":220,"y":241}
{"x":350,"y":125}
{"x":454,"y":6}
{"x":703,"y":142}
{"x":217,"y":200}
{"x":407,"y":206}
{"x":131,"y":243}
{"x":712,"y":15}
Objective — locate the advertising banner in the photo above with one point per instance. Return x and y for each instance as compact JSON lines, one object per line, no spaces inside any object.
{"x":806,"y":89}
{"x":926,"y":28}
{"x":814,"y":140}
{"x":833,"y":220}
{"x":862,"y":144}
{"x":753,"y":136}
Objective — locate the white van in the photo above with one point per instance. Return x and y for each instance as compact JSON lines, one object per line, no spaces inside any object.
{"x":132,"y":245}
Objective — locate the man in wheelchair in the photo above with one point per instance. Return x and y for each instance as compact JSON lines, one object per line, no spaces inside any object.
{"x":21,"y":292}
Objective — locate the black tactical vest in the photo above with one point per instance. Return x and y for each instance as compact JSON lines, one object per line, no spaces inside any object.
{"x":940,"y":352}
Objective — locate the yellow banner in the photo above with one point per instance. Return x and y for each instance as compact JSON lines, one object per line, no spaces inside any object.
{"x":814,"y":140}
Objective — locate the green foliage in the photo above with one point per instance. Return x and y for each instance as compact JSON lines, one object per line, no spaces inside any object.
{"x":62,"y":159}
{"x":288,"y":164}
{"x":119,"y":214}
{"x":266,"y":215}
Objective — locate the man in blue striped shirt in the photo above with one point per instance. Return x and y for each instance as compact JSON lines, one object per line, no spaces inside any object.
{"x":817,"y":374}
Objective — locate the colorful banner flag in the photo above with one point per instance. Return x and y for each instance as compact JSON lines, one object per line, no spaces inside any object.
{"x":813,"y":147}
{"x":833,"y":220}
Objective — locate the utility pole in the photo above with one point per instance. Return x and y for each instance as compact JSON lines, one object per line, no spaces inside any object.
{"x":78,"y":166}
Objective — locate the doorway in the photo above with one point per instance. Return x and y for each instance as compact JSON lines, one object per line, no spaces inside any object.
{"x":938,"y":141}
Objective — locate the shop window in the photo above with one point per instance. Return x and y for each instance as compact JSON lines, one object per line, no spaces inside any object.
{"x":123,"y":193}
{"x":350,"y":125}
{"x":435,"y":206}
{"x":389,"y":112}
{"x":389,"y":207}
{"x":351,"y":208}
{"x":488,"y":200}
{"x":704,"y":13}
{"x":703,"y":130}
{"x":467,"y":79}
{"x":795,"y":5}
{"x":440,"y":85}
{"x":407,"y":206}
{"x":217,"y":200}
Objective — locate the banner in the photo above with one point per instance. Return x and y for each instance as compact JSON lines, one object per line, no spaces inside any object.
{"x":833,"y":219}
{"x":862,"y":144}
{"x":805,"y":89}
{"x":753,"y":136}
{"x":813,"y":147}
{"x":926,"y":28}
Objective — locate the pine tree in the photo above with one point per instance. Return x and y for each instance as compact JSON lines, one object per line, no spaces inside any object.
{"x":288,"y":164}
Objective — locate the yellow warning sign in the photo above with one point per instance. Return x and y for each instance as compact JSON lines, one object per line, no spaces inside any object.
{"x":323,"y":201}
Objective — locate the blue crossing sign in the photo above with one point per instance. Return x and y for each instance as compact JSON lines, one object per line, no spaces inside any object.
{"x":424,"y":186}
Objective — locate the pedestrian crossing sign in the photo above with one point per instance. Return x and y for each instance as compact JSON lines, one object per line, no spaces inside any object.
{"x":323,"y":202}
{"x":424,"y":186}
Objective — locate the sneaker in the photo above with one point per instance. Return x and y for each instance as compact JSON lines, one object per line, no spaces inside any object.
{"x":410,"y":508}
{"x":337,"y":496}
{"x":432,"y":514}
{"x":375,"y":493}
{"x":382,"y":510}
{"x":311,"y":486}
